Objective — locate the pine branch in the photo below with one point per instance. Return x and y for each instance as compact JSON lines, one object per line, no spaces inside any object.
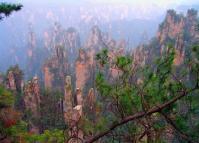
{"x":137,"y":116}
{"x":182,"y":135}
{"x":6,"y":9}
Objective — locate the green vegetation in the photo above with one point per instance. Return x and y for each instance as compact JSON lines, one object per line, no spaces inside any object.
{"x":158,"y":84}
{"x":51,"y":112}
{"x":6,"y":9}
{"x":9,"y":117}
{"x":6,"y":98}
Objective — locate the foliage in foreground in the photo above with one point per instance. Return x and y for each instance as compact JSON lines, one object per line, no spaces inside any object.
{"x":6,"y":9}
{"x":139,"y":90}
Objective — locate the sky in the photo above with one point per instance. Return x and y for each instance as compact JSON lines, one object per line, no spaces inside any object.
{"x":161,"y":5}
{"x":131,"y":2}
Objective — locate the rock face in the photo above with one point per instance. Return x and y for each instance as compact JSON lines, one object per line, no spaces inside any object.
{"x":171,"y":27}
{"x":11,"y":81}
{"x":82,"y":69}
{"x":32,"y":101}
{"x":79,"y":96}
{"x":176,"y":29}
{"x":95,"y":39}
{"x":31,"y":52}
{"x":81,"y":65}
{"x":72,"y":44}
{"x":59,"y":45}
{"x":31,"y":42}
{"x":95,"y":42}
{"x":191,"y":23}
{"x":73,"y":111}
{"x":69,"y":39}
{"x":1,"y":79}
{"x":180,"y":31}
{"x":140,"y":55}
{"x":32,"y":96}
{"x":55,"y":69}
{"x":90,"y":100}
{"x":68,"y":103}
{"x":48,"y":77}
{"x":64,"y":46}
{"x":72,"y":114}
{"x":14,"y":78}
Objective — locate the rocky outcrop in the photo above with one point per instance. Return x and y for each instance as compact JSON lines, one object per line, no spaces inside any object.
{"x":11,"y":81}
{"x":179,"y":51}
{"x":1,"y":79}
{"x":69,"y":39}
{"x":55,"y":69}
{"x":79,"y":96}
{"x":72,"y":115}
{"x":32,"y":101}
{"x":31,"y":52}
{"x":191,"y":25}
{"x":31,"y":42}
{"x":140,"y":55}
{"x":95,"y":39}
{"x":171,"y":27}
{"x":72,"y":44}
{"x":82,"y":69}
{"x":94,"y":43}
{"x":48,"y":77}
{"x":32,"y":96}
{"x":73,"y":111}
{"x":68,"y":102}
{"x":176,"y":29}
{"x":64,"y":46}
{"x":91,"y":100}
{"x":180,"y":31}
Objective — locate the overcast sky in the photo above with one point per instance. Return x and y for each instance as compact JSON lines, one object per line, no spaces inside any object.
{"x":133,"y":2}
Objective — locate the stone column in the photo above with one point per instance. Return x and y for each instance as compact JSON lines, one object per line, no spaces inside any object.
{"x":91,"y":99}
{"x":72,"y":115}
{"x":32,"y":102}
{"x":11,"y":81}
{"x":68,"y":107}
{"x":79,"y":96}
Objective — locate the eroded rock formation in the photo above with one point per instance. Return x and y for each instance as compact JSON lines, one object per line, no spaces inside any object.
{"x":1,"y":79}
{"x":95,"y":40}
{"x":176,"y":29}
{"x":11,"y":81}
{"x":67,"y":38}
{"x":82,"y":69}
{"x":72,"y":114}
{"x":55,"y":69}
{"x":180,"y":31}
{"x":32,"y":102}
{"x":91,"y":100}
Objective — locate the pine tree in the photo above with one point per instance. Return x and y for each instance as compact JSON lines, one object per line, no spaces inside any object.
{"x":6,"y":9}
